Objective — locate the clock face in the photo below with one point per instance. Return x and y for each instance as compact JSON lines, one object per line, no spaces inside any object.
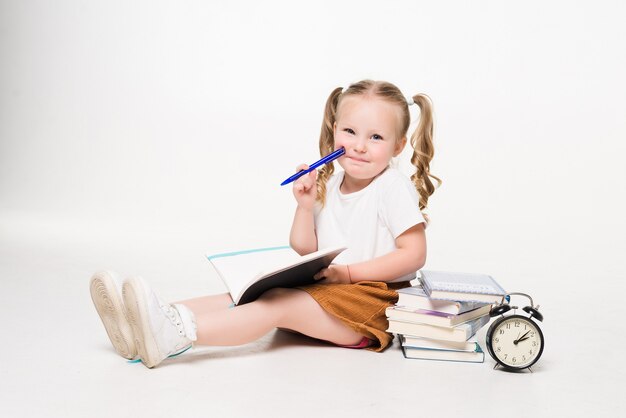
{"x":516,"y":342}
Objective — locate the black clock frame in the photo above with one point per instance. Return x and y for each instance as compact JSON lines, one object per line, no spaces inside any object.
{"x":495,"y":325}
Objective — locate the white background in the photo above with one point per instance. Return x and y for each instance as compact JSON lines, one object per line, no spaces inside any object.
{"x":138,"y":135}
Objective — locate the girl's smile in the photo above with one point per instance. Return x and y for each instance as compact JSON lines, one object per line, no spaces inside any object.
{"x":356,"y":159}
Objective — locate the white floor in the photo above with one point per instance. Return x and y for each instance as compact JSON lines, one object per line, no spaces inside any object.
{"x":56,"y":359}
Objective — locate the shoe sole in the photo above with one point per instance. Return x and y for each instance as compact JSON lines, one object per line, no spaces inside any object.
{"x":109,"y":306}
{"x":138,"y":318}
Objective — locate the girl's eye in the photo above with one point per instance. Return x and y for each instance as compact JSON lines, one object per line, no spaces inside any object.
{"x":377,"y":137}
{"x":348,"y":130}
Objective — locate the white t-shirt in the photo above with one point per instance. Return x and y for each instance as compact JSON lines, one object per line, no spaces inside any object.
{"x":367,"y":222}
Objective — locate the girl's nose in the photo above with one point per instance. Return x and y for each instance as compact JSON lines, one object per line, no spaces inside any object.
{"x":360,"y":144}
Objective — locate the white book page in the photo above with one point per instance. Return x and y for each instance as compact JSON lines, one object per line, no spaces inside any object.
{"x":238,"y":269}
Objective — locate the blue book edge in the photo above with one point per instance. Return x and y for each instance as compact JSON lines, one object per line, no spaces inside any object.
{"x":253,"y":250}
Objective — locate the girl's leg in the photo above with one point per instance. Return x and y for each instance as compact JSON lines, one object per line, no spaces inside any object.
{"x":207,"y":304}
{"x":285,"y":308}
{"x":161,"y":329}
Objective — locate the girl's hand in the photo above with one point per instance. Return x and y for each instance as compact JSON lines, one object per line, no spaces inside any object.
{"x":334,"y":274}
{"x":305,"y":188}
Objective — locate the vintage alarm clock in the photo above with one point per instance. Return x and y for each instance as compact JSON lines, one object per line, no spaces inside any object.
{"x":515,"y":341}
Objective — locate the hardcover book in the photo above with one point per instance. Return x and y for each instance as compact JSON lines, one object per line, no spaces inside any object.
{"x":459,"y":333}
{"x":402,"y":313}
{"x":415,"y":297}
{"x":421,"y":342}
{"x":476,"y":355}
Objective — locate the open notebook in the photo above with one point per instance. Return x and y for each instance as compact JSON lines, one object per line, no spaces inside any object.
{"x":248,"y":274}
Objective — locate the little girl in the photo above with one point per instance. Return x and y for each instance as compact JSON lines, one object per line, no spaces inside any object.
{"x":369,"y":207}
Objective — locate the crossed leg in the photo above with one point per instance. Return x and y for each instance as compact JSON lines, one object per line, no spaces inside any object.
{"x":293,"y":309}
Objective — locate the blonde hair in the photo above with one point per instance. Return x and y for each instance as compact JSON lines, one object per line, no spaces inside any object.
{"x":421,"y":139}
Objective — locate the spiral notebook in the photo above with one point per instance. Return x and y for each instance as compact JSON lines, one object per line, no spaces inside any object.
{"x":465,"y":287}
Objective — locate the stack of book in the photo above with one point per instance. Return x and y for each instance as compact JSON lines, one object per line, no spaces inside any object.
{"x":438,"y":319}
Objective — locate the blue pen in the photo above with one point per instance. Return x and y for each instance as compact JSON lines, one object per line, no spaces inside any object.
{"x":330,"y":157}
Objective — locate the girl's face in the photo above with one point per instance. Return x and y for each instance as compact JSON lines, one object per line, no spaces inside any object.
{"x":366,"y":127}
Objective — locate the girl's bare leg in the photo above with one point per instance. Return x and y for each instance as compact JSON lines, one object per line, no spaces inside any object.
{"x":285,"y":308}
{"x":206,"y":304}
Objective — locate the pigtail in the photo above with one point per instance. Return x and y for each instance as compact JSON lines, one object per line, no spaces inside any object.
{"x":327,"y":143}
{"x":423,"y":151}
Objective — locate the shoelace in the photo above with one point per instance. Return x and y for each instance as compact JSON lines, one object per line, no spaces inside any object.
{"x":174,"y":317}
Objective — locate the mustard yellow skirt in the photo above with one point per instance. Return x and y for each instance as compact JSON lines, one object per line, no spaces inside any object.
{"x":361,"y":306}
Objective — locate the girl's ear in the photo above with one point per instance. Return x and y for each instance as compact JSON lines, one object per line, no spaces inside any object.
{"x":334,"y":129}
{"x":399,"y":146}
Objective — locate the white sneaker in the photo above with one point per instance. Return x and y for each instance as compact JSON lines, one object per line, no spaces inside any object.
{"x":160,"y":329}
{"x":105,"y":293}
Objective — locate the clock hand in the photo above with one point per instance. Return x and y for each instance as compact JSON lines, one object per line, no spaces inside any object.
{"x":521,"y":339}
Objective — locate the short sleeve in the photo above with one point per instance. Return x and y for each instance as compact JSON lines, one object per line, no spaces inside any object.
{"x":399,"y":206}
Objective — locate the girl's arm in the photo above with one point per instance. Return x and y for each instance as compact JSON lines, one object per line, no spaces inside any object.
{"x":302,"y":237}
{"x":408,"y":257}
